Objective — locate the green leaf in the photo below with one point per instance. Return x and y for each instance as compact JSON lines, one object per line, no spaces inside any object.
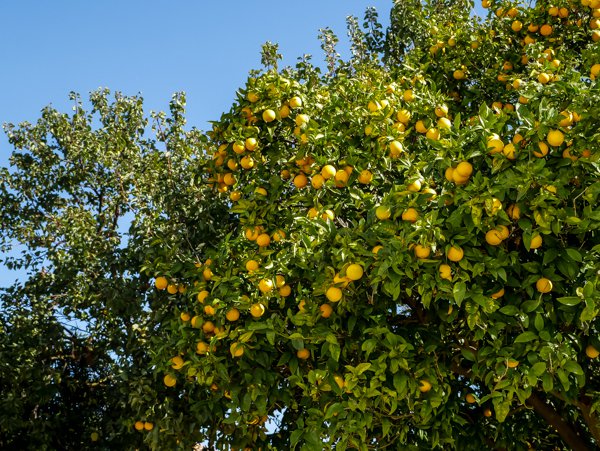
{"x":362,"y":367}
{"x":509,"y":310}
{"x":526,"y":337}
{"x":459,"y":291}
{"x":538,"y":368}
{"x":569,"y":300}
{"x":573,"y":367}
{"x":574,"y":255}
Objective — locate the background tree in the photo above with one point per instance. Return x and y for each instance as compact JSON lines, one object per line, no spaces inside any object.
{"x":402,"y":253}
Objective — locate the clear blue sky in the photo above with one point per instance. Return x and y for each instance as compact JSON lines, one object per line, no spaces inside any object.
{"x":155,"y":48}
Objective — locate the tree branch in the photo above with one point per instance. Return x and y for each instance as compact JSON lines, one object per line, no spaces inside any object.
{"x":553,"y":418}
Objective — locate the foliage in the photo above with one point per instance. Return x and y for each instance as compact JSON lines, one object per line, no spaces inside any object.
{"x":402,"y":253}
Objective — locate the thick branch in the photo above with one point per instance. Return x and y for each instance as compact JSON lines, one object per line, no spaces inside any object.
{"x":591,"y":420}
{"x":552,"y":417}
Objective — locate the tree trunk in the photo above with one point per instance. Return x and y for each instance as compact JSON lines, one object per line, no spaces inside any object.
{"x":592,"y":421}
{"x":566,"y":432}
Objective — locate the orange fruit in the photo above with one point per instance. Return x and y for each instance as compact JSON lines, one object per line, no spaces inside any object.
{"x":410,"y":215}
{"x":257,"y":310}
{"x":455,"y":254}
{"x":493,"y":237}
{"x":303,"y":354}
{"x":265,"y":285}
{"x":161,"y":283}
{"x":263,"y":240}
{"x":326,"y":310}
{"x":169,"y":380}
{"x":269,"y":115}
{"x":232,"y":315}
{"x":365,"y":177}
{"x":543,"y":285}
{"x":354,"y":272}
{"x":285,"y":291}
{"x":422,"y":251}
{"x":445,"y":271}
{"x":591,"y":352}
{"x":536,"y":241}
{"x":555,"y":138}
{"x":334,"y":294}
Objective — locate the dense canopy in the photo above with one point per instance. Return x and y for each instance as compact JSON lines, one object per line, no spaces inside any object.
{"x":399,"y":251}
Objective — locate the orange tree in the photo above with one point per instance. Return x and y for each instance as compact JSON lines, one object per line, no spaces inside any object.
{"x":411,"y":256}
{"x":398,"y":252}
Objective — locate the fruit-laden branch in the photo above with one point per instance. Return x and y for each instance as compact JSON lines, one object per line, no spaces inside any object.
{"x":567,"y":433}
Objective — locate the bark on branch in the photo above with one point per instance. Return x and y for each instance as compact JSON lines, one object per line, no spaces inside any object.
{"x":553,"y":418}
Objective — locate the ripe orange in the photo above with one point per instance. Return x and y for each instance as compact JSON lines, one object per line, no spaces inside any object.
{"x":263,"y":240}
{"x":493,"y":237}
{"x":403,"y":116}
{"x":543,"y":150}
{"x":494,"y":144}
{"x":202,"y":296}
{"x":139,"y":425}
{"x":236,"y":349}
{"x":509,"y":151}
{"x":265,"y":285}
{"x":334,"y":294}
{"x":498,"y":294}
{"x":543,"y":285}
{"x":269,"y":115}
{"x":445,"y":271}
{"x":257,"y":310}
{"x":232,"y":315}
{"x":365,"y":177}
{"x":396,"y":149}
{"x":300,"y":181}
{"x":591,"y":352}
{"x":252,"y":265}
{"x":470,"y":398}
{"x":251,"y":144}
{"x":177,"y":362}
{"x":544,"y":78}
{"x":202,"y":348}
{"x":184,"y":316}
{"x":536,"y":241}
{"x":555,"y":138}
{"x":172,"y":288}
{"x":285,"y":291}
{"x":414,"y":186}
{"x":328,"y":171}
{"x":303,"y":354}
{"x":410,"y":215}
{"x":341,"y":178}
{"x":455,"y":254}
{"x":326,"y":310}
{"x":424,"y":386}
{"x":295,"y":102}
{"x":422,"y":251}
{"x":161,"y":283}
{"x":354,"y":272}
{"x":208,"y":327}
{"x":546,"y":30}
{"x":464,"y":169}
{"x":169,"y":380}
{"x":317,"y":181}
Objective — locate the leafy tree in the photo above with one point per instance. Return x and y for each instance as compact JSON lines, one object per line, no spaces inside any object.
{"x":401,"y":253}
